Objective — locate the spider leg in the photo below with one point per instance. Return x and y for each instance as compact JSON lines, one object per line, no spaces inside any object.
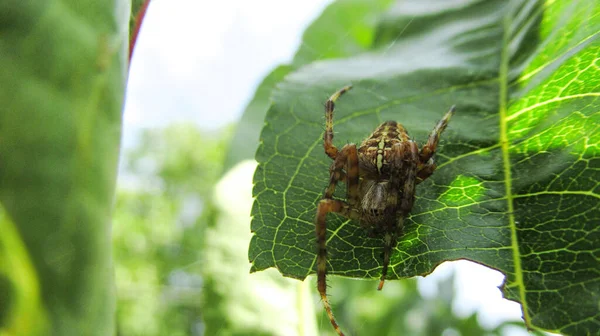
{"x":326,"y":206}
{"x":426,"y":170}
{"x":330,"y":148}
{"x":429,"y":148}
{"x":406,"y":157}
{"x":342,"y":176}
{"x":408,"y":194}
{"x":346,"y":158}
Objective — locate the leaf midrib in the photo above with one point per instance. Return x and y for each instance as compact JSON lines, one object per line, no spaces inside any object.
{"x":504,"y":145}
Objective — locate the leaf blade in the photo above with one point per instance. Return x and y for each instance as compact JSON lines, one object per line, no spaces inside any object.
{"x":503,"y":64}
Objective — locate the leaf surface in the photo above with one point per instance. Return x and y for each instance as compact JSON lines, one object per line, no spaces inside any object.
{"x":516,"y":187}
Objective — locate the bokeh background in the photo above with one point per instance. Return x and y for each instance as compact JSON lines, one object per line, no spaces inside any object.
{"x":181,"y":226}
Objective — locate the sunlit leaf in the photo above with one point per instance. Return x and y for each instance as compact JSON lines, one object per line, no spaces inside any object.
{"x":517,"y":182}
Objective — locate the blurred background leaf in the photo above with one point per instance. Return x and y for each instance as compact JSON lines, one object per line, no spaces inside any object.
{"x":247,"y":131}
{"x":163,"y":208}
{"x":63,"y":70}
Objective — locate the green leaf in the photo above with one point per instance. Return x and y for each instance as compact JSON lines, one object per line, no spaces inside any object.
{"x":516,"y":187}
{"x":63,"y":77}
{"x":355,"y":20}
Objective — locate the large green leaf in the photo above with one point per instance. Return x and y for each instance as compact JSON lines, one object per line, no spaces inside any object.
{"x":517,"y":185}
{"x":63,"y":69}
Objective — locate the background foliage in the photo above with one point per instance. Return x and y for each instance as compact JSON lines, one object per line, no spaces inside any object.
{"x":62,"y":77}
{"x":182,"y":275}
{"x":522,"y":73}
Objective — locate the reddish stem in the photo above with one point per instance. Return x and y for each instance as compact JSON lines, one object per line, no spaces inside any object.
{"x":138,"y":23}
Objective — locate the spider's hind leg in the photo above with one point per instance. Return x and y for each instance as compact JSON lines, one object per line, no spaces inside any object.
{"x":346,"y":159}
{"x":326,"y":206}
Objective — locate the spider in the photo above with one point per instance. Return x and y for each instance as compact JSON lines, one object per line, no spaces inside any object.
{"x":380,"y":175}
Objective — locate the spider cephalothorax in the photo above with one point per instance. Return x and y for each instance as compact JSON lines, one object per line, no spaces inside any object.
{"x":380,"y":175}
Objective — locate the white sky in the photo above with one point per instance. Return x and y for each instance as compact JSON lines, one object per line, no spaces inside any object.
{"x":200,"y":61}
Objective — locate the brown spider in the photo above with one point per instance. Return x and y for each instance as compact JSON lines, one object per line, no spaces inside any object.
{"x":380,"y":178}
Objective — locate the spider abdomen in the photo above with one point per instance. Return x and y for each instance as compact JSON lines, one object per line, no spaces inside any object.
{"x":375,"y":151}
{"x":377,"y":198}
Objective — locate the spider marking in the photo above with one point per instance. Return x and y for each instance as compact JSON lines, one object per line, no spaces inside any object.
{"x":381,"y":176}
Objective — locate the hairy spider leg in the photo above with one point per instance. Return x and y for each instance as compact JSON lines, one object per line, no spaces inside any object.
{"x":406,"y":154}
{"x":408,"y":194}
{"x":330,"y":148}
{"x":326,"y":206}
{"x":429,"y":148}
{"x":426,"y":170}
{"x":428,"y":166}
{"x":347,"y":158}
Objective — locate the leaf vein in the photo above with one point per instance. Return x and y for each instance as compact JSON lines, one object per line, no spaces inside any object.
{"x":503,"y":101}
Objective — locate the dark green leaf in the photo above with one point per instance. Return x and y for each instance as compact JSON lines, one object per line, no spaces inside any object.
{"x":517,"y":185}
{"x":63,"y":69}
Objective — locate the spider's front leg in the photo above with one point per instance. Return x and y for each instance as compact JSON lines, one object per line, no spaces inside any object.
{"x":330,"y":148}
{"x":427,"y":165}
